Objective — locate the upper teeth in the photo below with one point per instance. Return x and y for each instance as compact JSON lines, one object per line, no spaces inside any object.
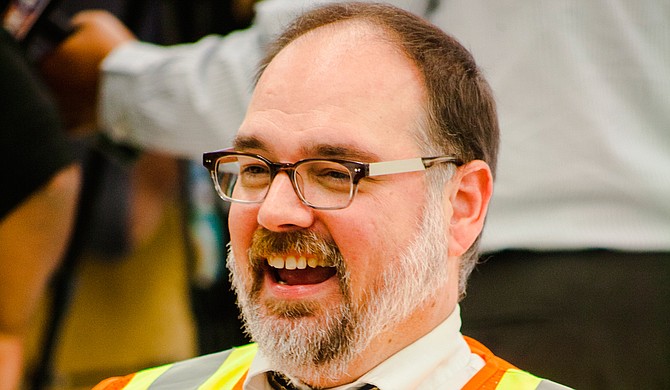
{"x":293,"y":262}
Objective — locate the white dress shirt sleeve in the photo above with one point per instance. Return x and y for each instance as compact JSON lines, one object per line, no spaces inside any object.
{"x":189,"y":99}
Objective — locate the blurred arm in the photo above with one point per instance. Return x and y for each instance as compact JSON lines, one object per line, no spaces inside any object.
{"x":190,"y":98}
{"x":183,"y":99}
{"x":73,"y":69}
{"x":33,"y":238}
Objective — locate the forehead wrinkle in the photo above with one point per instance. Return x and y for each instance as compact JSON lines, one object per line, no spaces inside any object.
{"x":343,"y":151}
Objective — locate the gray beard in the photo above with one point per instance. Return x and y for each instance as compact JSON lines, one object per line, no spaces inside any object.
{"x":314,"y":343}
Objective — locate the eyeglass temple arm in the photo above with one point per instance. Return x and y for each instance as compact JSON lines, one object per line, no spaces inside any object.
{"x":409,"y":165}
{"x":430,"y":161}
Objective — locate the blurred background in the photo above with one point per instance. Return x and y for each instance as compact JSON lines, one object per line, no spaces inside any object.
{"x":153,"y":232}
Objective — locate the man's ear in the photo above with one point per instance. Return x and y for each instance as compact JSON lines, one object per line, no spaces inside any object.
{"x":467,"y":197}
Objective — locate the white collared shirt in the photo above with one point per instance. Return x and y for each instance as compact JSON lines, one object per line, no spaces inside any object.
{"x":439,"y":360}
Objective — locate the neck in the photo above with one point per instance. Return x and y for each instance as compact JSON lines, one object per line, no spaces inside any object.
{"x":386,"y":344}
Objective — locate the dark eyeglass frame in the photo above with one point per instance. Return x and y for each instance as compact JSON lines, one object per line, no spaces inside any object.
{"x":358,"y":171}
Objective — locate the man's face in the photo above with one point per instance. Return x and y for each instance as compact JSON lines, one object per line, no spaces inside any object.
{"x":330,"y":94}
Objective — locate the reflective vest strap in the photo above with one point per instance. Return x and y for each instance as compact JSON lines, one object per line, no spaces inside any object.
{"x":231,"y":374}
{"x":497,"y":374}
{"x":137,"y":381}
{"x":116,"y":383}
{"x":222,"y":371}
{"x":549,"y":385}
{"x":490,"y":375}
{"x":516,"y":379}
{"x":143,"y":379}
{"x":190,"y":374}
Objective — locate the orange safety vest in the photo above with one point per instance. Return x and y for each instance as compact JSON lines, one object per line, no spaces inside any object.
{"x":229,"y":370}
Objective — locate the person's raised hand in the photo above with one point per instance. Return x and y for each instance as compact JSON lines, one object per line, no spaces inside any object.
{"x":72,"y":70}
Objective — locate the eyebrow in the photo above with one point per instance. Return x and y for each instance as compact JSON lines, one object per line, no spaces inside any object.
{"x":342,"y":151}
{"x":246,"y":142}
{"x":346,"y":152}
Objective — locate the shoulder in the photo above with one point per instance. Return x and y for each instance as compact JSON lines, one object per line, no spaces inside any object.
{"x":116,"y":383}
{"x":501,"y":375}
{"x":233,"y":361}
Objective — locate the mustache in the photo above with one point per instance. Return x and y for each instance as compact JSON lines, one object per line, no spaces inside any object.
{"x":266,"y":243}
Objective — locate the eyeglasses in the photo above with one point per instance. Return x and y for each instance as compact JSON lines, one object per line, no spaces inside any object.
{"x":323,"y":184}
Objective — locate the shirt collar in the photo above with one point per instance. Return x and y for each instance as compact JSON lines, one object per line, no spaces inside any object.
{"x":444,"y":346}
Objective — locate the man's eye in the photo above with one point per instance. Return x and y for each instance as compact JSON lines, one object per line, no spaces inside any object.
{"x":330,"y":177}
{"x":253,"y":170}
{"x":335,"y":175}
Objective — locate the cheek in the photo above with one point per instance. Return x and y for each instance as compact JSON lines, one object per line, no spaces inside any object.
{"x":371,"y":235}
{"x":242,"y":223}
{"x":395,"y":216}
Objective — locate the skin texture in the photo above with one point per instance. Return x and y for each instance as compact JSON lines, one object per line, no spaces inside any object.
{"x":332,"y":88}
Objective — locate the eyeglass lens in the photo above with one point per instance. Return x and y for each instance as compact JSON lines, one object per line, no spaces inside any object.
{"x":320,"y":183}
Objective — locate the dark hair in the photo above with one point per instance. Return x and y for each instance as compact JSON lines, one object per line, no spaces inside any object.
{"x":461,"y":109}
{"x":461,"y":117}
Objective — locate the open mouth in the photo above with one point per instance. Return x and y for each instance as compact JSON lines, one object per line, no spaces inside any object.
{"x":299,"y":270}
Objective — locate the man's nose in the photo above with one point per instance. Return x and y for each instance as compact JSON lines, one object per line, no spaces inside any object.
{"x":282,"y":209}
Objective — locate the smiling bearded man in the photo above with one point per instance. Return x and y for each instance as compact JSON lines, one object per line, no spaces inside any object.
{"x":359,"y":183}
{"x":310,"y":343}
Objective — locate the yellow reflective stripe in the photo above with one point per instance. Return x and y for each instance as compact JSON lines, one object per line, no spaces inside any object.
{"x":232,"y":370}
{"x":518,"y":380}
{"x":143,"y":379}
